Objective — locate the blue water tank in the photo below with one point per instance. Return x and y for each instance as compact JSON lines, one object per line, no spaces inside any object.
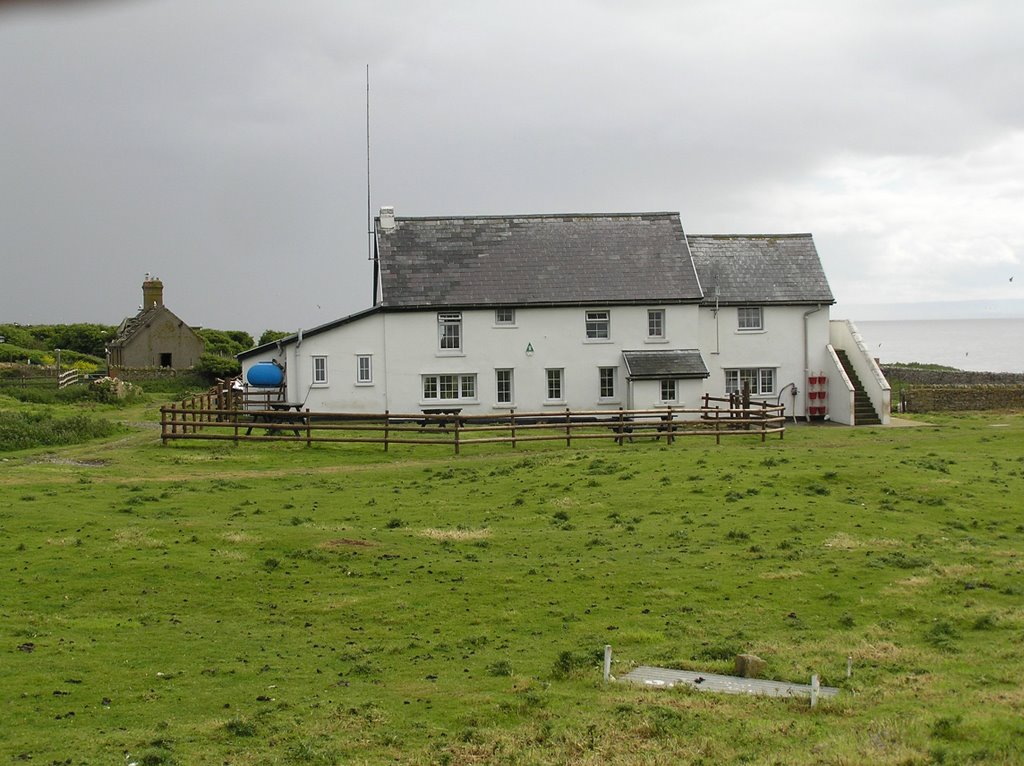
{"x":265,"y":374}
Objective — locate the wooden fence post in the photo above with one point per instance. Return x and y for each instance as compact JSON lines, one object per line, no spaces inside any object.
{"x":387,"y":423}
{"x":163,"y":425}
{"x":670,"y":418}
{"x":512,"y":422}
{"x":309,"y":429}
{"x":458,"y":425}
{"x":619,"y":438}
{"x":234,"y":418}
{"x":174,"y":418}
{"x":718,"y":433}
{"x":815,"y":688}
{"x":607,"y":662}
{"x":568,"y":427}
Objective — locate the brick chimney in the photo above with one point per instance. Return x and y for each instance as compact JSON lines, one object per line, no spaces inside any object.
{"x":152,"y":292}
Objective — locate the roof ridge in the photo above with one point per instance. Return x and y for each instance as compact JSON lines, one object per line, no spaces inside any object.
{"x":791,"y":235}
{"x":536,"y":216}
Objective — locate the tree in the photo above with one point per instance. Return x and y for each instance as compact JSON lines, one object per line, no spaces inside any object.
{"x":269,"y":336}
{"x":226,"y":342}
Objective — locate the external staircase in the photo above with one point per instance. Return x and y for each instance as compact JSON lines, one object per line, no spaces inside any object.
{"x":864,"y":413}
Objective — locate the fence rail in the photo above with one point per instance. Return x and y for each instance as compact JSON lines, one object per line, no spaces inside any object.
{"x":207,"y":417}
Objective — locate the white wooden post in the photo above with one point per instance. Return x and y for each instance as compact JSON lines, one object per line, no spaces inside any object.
{"x":607,"y":662}
{"x":815,"y":686}
{"x":849,"y":666}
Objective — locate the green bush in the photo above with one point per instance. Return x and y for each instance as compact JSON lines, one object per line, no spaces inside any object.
{"x":269,"y":336}
{"x":25,"y":430}
{"x":114,"y":391}
{"x":212,"y":367}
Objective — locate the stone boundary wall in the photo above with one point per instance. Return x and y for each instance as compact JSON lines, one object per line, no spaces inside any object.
{"x":916,"y":376}
{"x":136,"y":374}
{"x":960,"y":398}
{"x":917,"y":390}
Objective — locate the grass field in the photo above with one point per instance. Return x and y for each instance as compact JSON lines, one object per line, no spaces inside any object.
{"x":273,"y":604}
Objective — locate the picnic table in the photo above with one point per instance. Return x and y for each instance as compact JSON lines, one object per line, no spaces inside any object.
{"x":277,"y":412}
{"x":440,"y":422}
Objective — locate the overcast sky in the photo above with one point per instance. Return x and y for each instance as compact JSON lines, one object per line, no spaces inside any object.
{"x":221,"y":144}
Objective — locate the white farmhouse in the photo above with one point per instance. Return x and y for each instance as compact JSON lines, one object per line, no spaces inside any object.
{"x":546,"y":312}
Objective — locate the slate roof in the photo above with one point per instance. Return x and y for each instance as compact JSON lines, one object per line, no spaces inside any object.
{"x":761,"y":269}
{"x":131,"y":325}
{"x":534,"y":260}
{"x":668,"y":363}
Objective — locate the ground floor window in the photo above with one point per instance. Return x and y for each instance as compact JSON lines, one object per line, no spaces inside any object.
{"x":760,"y":380}
{"x":503,"y":382}
{"x":364,"y":368}
{"x":556,"y":384}
{"x":449,"y":387}
{"x":319,"y":370}
{"x":606,"y":382}
{"x":668,"y":390}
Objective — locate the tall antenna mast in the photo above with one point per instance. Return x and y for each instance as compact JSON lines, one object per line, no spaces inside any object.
{"x":369,"y":212}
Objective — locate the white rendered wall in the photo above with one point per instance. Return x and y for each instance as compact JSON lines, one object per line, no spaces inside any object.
{"x":780,"y":344}
{"x":404,"y":347}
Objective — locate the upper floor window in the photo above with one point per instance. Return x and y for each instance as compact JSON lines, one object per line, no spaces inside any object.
{"x":364,"y":368}
{"x":505,"y":317}
{"x":749,"y":318}
{"x":599,"y":325}
{"x":449,"y":331}
{"x":656,"y":324}
{"x":606,"y":382}
{"x":759,"y":380}
{"x":319,"y":370}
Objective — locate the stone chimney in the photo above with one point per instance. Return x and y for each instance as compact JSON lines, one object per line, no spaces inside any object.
{"x":387,"y":218}
{"x":152,"y":292}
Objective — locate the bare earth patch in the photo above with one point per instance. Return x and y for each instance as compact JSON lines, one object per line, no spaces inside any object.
{"x":137,"y":538}
{"x":845,"y":542}
{"x":455,"y":534}
{"x":343,"y":542}
{"x":239,"y":537}
{"x":784,"y":574}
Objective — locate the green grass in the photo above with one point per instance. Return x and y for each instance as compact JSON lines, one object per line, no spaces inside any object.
{"x":273,"y":604}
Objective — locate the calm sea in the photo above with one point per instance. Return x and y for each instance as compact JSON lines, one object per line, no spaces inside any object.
{"x":988,"y":345}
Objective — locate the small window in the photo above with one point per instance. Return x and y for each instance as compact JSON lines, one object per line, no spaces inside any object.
{"x":555,"y":387}
{"x":505,"y":317}
{"x":656,"y":324}
{"x":759,"y":380}
{"x":606,"y":382}
{"x":364,"y":368}
{"x":449,"y":331}
{"x":503,"y":383}
{"x":319,"y":370}
{"x":449,"y":387}
{"x":749,"y":318}
{"x":668,"y":390}
{"x":598,"y":325}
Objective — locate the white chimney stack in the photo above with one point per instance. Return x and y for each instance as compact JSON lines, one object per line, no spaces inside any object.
{"x":387,"y":218}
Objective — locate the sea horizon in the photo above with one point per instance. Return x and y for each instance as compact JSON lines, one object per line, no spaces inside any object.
{"x":977,"y":345}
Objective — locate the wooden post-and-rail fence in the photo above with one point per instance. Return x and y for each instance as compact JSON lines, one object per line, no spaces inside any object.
{"x":219,"y":415}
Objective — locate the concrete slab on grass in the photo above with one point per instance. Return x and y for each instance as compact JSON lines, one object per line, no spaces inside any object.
{"x":666,"y":678}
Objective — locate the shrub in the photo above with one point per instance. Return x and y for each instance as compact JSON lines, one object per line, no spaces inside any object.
{"x":113,"y":391}
{"x":24,"y":430}
{"x":212,"y":366}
